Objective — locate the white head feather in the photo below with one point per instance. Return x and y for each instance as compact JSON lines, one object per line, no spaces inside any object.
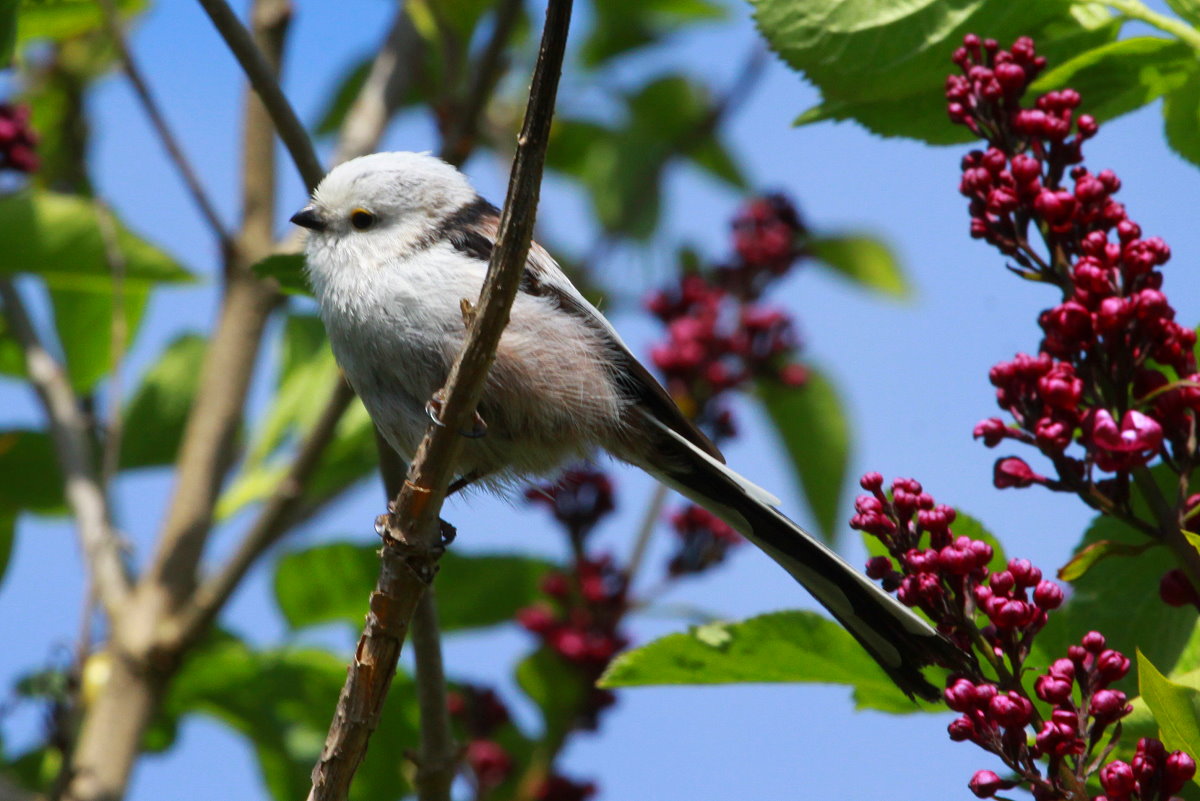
{"x":396,"y":187}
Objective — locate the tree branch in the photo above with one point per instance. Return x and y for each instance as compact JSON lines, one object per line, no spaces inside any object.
{"x":263,"y":79}
{"x":489,"y":68}
{"x":159,"y":121}
{"x":207,"y":448}
{"x":408,"y":558}
{"x":437,"y":761}
{"x":73,"y":447}
{"x":111,"y":734}
{"x":361,"y":131}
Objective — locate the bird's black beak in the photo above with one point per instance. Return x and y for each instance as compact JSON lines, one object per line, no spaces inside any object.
{"x":308,"y":217}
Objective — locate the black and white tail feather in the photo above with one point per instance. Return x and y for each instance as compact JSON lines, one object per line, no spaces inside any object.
{"x":900,"y":641}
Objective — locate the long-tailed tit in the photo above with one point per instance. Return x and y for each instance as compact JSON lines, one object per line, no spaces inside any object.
{"x":397,"y":241}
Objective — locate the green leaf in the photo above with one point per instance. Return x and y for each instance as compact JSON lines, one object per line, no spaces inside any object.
{"x":1175,"y":707}
{"x":32,"y":479}
{"x":620,"y":26}
{"x":1181,"y":118}
{"x":782,"y":647}
{"x":280,"y":701}
{"x":8,"y":533}
{"x":921,"y":116}
{"x":84,"y":322}
{"x":884,"y":63}
{"x":155,"y":416}
{"x":1121,"y":76}
{"x":458,"y":17}
{"x":812,"y":425}
{"x":558,"y":688}
{"x":1089,"y":555}
{"x":65,"y":19}
{"x":8,"y":29}
{"x":307,"y":371}
{"x":1188,"y":9}
{"x":12,"y":357}
{"x":331,"y":582}
{"x":58,"y":238}
{"x":1119,"y":597}
{"x":864,"y":260}
{"x":287,"y":269}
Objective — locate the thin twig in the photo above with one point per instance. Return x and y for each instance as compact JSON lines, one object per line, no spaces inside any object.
{"x":73,"y":447}
{"x":645,"y":532}
{"x":262,"y":78}
{"x":489,"y":68}
{"x":408,"y":558}
{"x":158,"y":120}
{"x":207,"y":451}
{"x":437,"y":761}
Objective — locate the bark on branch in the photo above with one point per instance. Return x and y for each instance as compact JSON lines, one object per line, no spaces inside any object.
{"x":73,"y":448}
{"x":263,"y":79}
{"x":410,"y":530}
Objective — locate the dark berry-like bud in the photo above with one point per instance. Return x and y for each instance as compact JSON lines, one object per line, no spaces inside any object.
{"x":878,"y":567}
{"x":1048,"y":595}
{"x":1176,"y":589}
{"x":1012,"y":471}
{"x":1108,"y":705}
{"x":992,"y":431}
{"x":1117,"y":779}
{"x":871,"y":482}
{"x":1112,"y":665}
{"x":961,"y":729}
{"x":1093,"y":641}
{"x":1010,"y":709}
{"x":489,"y":761}
{"x":985,"y":784}
{"x":536,"y":619}
{"x":1178,"y":770}
{"x":1052,"y":689}
{"x":960,"y":695}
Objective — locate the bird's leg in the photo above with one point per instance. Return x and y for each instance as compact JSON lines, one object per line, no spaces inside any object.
{"x":446,"y":531}
{"x":462,"y":482}
{"x":434,"y":409}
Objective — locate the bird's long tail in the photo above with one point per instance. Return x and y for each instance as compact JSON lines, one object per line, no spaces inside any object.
{"x":900,"y":641}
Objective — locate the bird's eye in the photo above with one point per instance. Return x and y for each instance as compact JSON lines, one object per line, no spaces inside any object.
{"x":362,"y":219}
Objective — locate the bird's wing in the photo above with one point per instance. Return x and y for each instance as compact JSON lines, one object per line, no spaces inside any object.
{"x":473,"y":229}
{"x":544,"y":278}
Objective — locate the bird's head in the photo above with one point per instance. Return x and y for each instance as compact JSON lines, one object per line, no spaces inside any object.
{"x":397,"y":196}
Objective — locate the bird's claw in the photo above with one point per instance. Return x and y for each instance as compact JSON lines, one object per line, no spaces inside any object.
{"x":433,"y":408}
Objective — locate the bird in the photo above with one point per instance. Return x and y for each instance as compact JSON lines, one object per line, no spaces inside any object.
{"x":396,"y":241}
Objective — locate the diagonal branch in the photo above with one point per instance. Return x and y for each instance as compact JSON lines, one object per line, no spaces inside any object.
{"x":489,"y":68}
{"x":207,"y":449}
{"x":73,"y":447}
{"x":409,"y":555}
{"x":159,"y":121}
{"x":364,"y":125}
{"x":262,"y":78}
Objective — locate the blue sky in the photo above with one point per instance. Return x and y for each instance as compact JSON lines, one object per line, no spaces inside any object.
{"x":913,"y":374}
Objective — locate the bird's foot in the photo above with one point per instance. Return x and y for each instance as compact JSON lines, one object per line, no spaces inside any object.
{"x":434,"y":409}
